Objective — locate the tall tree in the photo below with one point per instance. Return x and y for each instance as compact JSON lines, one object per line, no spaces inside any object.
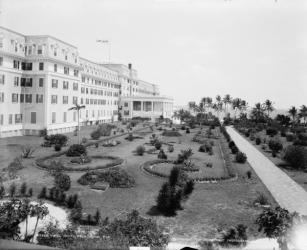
{"x":303,"y":113}
{"x":268,"y":106}
{"x":226,"y":100}
{"x":236,"y":105}
{"x":257,"y":112}
{"x":78,"y":107}
{"x":293,"y":112}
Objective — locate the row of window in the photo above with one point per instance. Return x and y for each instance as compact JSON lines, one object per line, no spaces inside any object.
{"x":55,"y":84}
{"x":99,"y":82}
{"x":12,"y":119}
{"x":98,"y":92}
{"x":27,"y":98}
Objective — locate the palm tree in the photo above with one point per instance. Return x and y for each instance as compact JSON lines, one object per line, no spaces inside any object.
{"x":226,"y":101}
{"x":78,"y":108}
{"x":182,"y":115}
{"x":40,"y":211}
{"x":236,"y":105}
{"x":257,"y":112}
{"x":218,"y":105}
{"x":293,"y":112}
{"x":303,"y":113}
{"x":268,"y":106}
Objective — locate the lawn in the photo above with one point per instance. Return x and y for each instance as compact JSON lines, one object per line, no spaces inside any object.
{"x":211,"y":206}
{"x":298,"y":176}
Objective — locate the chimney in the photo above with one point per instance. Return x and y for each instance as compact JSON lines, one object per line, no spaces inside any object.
{"x":130,"y":66}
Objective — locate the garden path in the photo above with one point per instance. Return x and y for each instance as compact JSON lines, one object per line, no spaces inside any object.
{"x":287,"y":193}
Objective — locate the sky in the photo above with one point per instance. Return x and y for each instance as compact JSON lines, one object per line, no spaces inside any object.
{"x":252,"y":49}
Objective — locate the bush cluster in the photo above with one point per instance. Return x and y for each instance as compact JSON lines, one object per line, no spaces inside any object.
{"x":275,"y":145}
{"x":241,"y":157}
{"x":76,"y":150}
{"x":271,"y":131}
{"x":62,"y":181}
{"x":183,"y":156}
{"x":225,"y":133}
{"x":296,"y":156}
{"x":56,"y":139}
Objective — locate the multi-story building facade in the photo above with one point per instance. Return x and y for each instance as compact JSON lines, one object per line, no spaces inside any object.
{"x":41,"y":77}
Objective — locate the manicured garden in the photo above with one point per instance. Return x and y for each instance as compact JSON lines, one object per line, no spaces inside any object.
{"x":111,"y":179}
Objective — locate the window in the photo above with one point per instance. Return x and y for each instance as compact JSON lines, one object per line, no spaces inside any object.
{"x":66,"y":70}
{"x":126,"y":104}
{"x":1,"y":119}
{"x":10,"y":118}
{"x":33,"y":117}
{"x":1,"y":61}
{"x":22,"y":97}
{"x":65,"y":84}
{"x":65,"y":117}
{"x":39,"y":98}
{"x":26,"y":82}
{"x":76,"y":72}
{"x":1,"y":42}
{"x":54,"y":83}
{"x":75,"y":86}
{"x":54,"y":99}
{"x":74,"y":100}
{"x":41,"y":82}
{"x":16,"y":64}
{"x":26,"y":66}
{"x":53,"y":117}
{"x":1,"y":96}
{"x":28,"y":98}
{"x":14,"y":98}
{"x":18,"y":118}
{"x":39,"y":49}
{"x":55,"y":68}
{"x":2,"y":79}
{"x":65,"y":99}
{"x":16,"y":81}
{"x":41,"y":66}
{"x":82,"y":90}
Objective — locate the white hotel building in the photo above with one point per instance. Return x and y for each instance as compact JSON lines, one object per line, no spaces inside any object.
{"x":41,"y":77}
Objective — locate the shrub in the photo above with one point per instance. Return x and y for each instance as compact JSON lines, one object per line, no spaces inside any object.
{"x":234,"y":150}
{"x":76,"y":150}
{"x":302,"y":136}
{"x":290,"y":137}
{"x":62,"y":181}
{"x":162,"y":155}
{"x":43,"y":193}
{"x":30,"y":192}
{"x":231,"y":144}
{"x":43,"y":132}
{"x":158,"y":145}
{"x":12,"y":190}
{"x":57,"y":147}
{"x":258,"y":141}
{"x":84,"y":140}
{"x":27,"y":151}
{"x":170,"y":148}
{"x":56,"y":139}
{"x":249,"y":174}
{"x":140,"y":150}
{"x":247,"y":134}
{"x":296,"y":156}
{"x":261,"y":199}
{"x":271,"y":131}
{"x":235,"y":236}
{"x":275,"y":145}
{"x":95,"y":135}
{"x":188,"y":188}
{"x":183,"y":156}
{"x":187,"y":131}
{"x":23,"y":189}
{"x":241,"y":157}
{"x":283,"y":133}
{"x":2,"y":191}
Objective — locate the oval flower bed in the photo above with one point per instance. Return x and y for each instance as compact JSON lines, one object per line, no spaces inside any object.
{"x":162,"y":168}
{"x":116,"y":178}
{"x":110,"y":161}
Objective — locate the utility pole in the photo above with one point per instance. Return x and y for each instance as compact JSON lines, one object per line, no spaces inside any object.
{"x":109,"y":44}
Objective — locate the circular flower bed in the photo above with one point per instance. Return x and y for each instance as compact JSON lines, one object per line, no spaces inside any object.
{"x":68,"y":165}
